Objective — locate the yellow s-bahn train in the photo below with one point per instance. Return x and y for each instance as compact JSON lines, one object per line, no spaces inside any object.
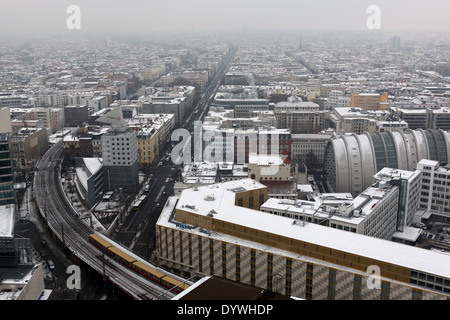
{"x":138,"y":266}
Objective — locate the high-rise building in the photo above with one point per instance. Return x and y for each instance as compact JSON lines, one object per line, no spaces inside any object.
{"x":435,"y":192}
{"x":119,"y":152}
{"x":394,"y":44}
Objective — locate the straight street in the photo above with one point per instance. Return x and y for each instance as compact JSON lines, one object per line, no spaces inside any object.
{"x":138,"y":229}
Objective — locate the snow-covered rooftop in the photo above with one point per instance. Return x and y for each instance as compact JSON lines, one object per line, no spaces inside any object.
{"x":221,"y":199}
{"x":93,"y":164}
{"x":390,"y":173}
{"x":265,"y":159}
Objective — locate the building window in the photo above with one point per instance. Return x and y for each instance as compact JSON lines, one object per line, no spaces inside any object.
{"x":211,"y":257}
{"x":309,"y":279}
{"x":385,"y":289}
{"x":288,"y":276}
{"x":238,"y":263}
{"x":224,"y":260}
{"x":332,"y":284}
{"x":269,"y":271}
{"x":357,"y":287}
{"x":252,"y":267}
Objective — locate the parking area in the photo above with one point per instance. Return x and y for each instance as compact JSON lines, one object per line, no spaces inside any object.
{"x":436,"y":235}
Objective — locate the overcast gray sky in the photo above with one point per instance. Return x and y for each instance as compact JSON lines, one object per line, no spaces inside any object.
{"x":49,"y":16}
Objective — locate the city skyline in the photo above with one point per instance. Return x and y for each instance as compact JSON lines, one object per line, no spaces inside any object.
{"x":301,"y":149}
{"x":138,"y":17}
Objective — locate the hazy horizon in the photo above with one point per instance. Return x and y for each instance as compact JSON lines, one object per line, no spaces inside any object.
{"x":134,"y":17}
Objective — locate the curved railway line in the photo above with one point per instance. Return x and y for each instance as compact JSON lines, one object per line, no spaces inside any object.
{"x":67,"y":226}
{"x":73,"y":233}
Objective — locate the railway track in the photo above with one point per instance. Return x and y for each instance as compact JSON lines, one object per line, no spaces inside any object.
{"x":73,"y":233}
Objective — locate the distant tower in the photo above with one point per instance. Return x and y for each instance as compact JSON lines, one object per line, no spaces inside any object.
{"x":395,"y":44}
{"x":300,"y":44}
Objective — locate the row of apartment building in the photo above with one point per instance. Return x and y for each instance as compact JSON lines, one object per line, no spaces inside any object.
{"x":152,"y":132}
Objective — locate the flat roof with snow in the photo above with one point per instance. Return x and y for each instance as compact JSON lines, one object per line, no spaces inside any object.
{"x":221,"y":198}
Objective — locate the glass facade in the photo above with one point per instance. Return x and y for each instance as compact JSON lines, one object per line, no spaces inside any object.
{"x":391,"y":153}
{"x":380,"y":154}
{"x":330,"y":166}
{"x":441,"y":146}
{"x":431,"y":146}
{"x":8,"y":256}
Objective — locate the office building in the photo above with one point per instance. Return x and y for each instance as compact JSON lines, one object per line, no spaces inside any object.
{"x":89,"y":179}
{"x":230,"y":96}
{"x":218,"y":230}
{"x":417,"y":118}
{"x":301,"y":117}
{"x":381,"y":210}
{"x":310,"y":149}
{"x":52,"y":118}
{"x":435,"y":190}
{"x":75,"y":116}
{"x":235,"y":145}
{"x":119,"y":152}
{"x":227,"y":119}
{"x":356,"y":120}
{"x":424,"y":117}
{"x":370,"y":101}
{"x":28,"y":145}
